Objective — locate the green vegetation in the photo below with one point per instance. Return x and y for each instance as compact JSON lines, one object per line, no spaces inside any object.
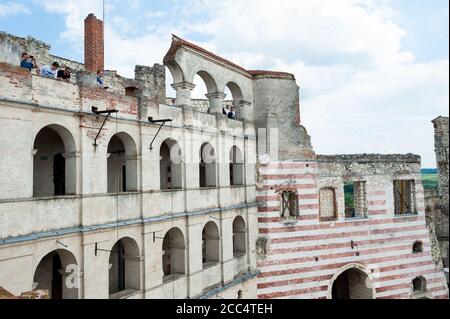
{"x":429,"y":178}
{"x":349,"y":195}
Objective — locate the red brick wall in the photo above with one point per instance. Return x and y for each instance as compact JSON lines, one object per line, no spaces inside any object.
{"x":93,"y":44}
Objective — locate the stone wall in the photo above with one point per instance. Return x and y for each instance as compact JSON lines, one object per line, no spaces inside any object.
{"x":441,"y":136}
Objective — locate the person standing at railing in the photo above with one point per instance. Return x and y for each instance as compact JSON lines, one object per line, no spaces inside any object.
{"x":232,"y":113}
{"x":64,"y":74}
{"x":28,"y":62}
{"x":100,"y":79}
{"x":50,"y":71}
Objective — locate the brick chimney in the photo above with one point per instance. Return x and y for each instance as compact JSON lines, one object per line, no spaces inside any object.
{"x":94,"y":59}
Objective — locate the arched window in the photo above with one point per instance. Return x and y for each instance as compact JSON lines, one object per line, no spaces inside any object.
{"x":419,"y":284}
{"x":51,"y":275}
{"x":236,"y":167}
{"x":207,"y":166}
{"x":131,"y":91}
{"x":173,"y":254}
{"x":54,"y":162}
{"x":417,"y":247}
{"x":170,"y":167}
{"x":122,"y":164}
{"x":124,"y":268}
{"x":327,"y":203}
{"x":210,"y":244}
{"x":239,"y":242}
{"x":234,"y":92}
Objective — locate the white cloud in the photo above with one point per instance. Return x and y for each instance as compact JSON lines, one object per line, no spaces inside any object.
{"x":361,"y":91}
{"x":12,"y":8}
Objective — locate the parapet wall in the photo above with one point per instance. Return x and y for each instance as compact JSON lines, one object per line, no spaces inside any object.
{"x":360,"y":165}
{"x":19,"y":85}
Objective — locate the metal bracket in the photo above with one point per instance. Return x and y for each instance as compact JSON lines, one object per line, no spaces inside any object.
{"x":62,"y":244}
{"x":151,"y":120}
{"x":353,"y":245}
{"x":97,"y":112}
{"x":99,"y":249}
{"x":156,"y":237}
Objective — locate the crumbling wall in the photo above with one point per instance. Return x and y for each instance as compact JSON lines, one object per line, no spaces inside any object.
{"x":152,"y":81}
{"x":441,"y":209}
{"x":12,"y":47}
{"x":276,"y":109}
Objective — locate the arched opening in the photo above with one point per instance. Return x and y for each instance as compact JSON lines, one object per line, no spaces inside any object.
{"x":417,"y":247}
{"x":170,"y":165}
{"x":352,"y":284}
{"x":210,"y":244}
{"x":205,"y":86}
{"x":124,"y":268}
{"x":54,"y":162}
{"x":57,"y":273}
{"x":131,"y":91}
{"x":236,"y":167}
{"x":419,"y":284}
{"x":122,"y":164}
{"x":236,"y":97}
{"x":207,"y":166}
{"x":173,"y":260}
{"x":239,"y":247}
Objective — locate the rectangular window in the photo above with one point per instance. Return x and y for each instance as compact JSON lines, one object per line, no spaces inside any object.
{"x":289,"y":204}
{"x":355,"y":200}
{"x":328,"y":206}
{"x":404,"y":197}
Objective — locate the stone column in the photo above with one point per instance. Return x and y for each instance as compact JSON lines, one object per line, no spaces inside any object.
{"x":72,"y":181}
{"x":245,"y":111}
{"x":184,"y":90}
{"x":215,"y":102}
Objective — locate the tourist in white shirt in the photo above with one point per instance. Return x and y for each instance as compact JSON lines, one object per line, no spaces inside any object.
{"x":50,"y":71}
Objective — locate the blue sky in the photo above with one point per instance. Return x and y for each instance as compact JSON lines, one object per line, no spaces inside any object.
{"x":373,"y":73}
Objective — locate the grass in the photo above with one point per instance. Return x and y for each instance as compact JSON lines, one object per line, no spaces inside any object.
{"x":429,"y":178}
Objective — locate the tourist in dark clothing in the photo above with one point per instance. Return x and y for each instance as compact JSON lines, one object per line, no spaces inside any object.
{"x":28,"y":62}
{"x":64,"y":74}
{"x":232,"y":113}
{"x":226,"y":110}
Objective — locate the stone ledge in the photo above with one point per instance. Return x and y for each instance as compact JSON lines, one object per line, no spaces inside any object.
{"x":370,"y":158}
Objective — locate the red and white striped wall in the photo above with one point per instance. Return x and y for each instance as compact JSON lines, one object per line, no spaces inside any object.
{"x":305,"y":257}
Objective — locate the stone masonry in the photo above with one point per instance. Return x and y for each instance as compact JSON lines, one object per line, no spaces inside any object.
{"x":441,"y":137}
{"x":197,"y":206}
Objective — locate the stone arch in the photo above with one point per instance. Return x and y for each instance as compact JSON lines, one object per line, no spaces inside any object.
{"x":173,"y":257}
{"x":236,"y":92}
{"x":57,"y":272}
{"x":124,"y":268}
{"x":54,"y":162}
{"x":207,"y":166}
{"x":208,"y":79}
{"x":236,"y":166}
{"x":122,"y":170}
{"x":239,"y":237}
{"x":175,"y":71}
{"x":419,"y":284}
{"x":210,"y":244}
{"x":352,"y":281}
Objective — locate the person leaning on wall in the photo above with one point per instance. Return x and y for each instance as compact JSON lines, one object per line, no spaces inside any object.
{"x":50,"y":71}
{"x":29,"y":62}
